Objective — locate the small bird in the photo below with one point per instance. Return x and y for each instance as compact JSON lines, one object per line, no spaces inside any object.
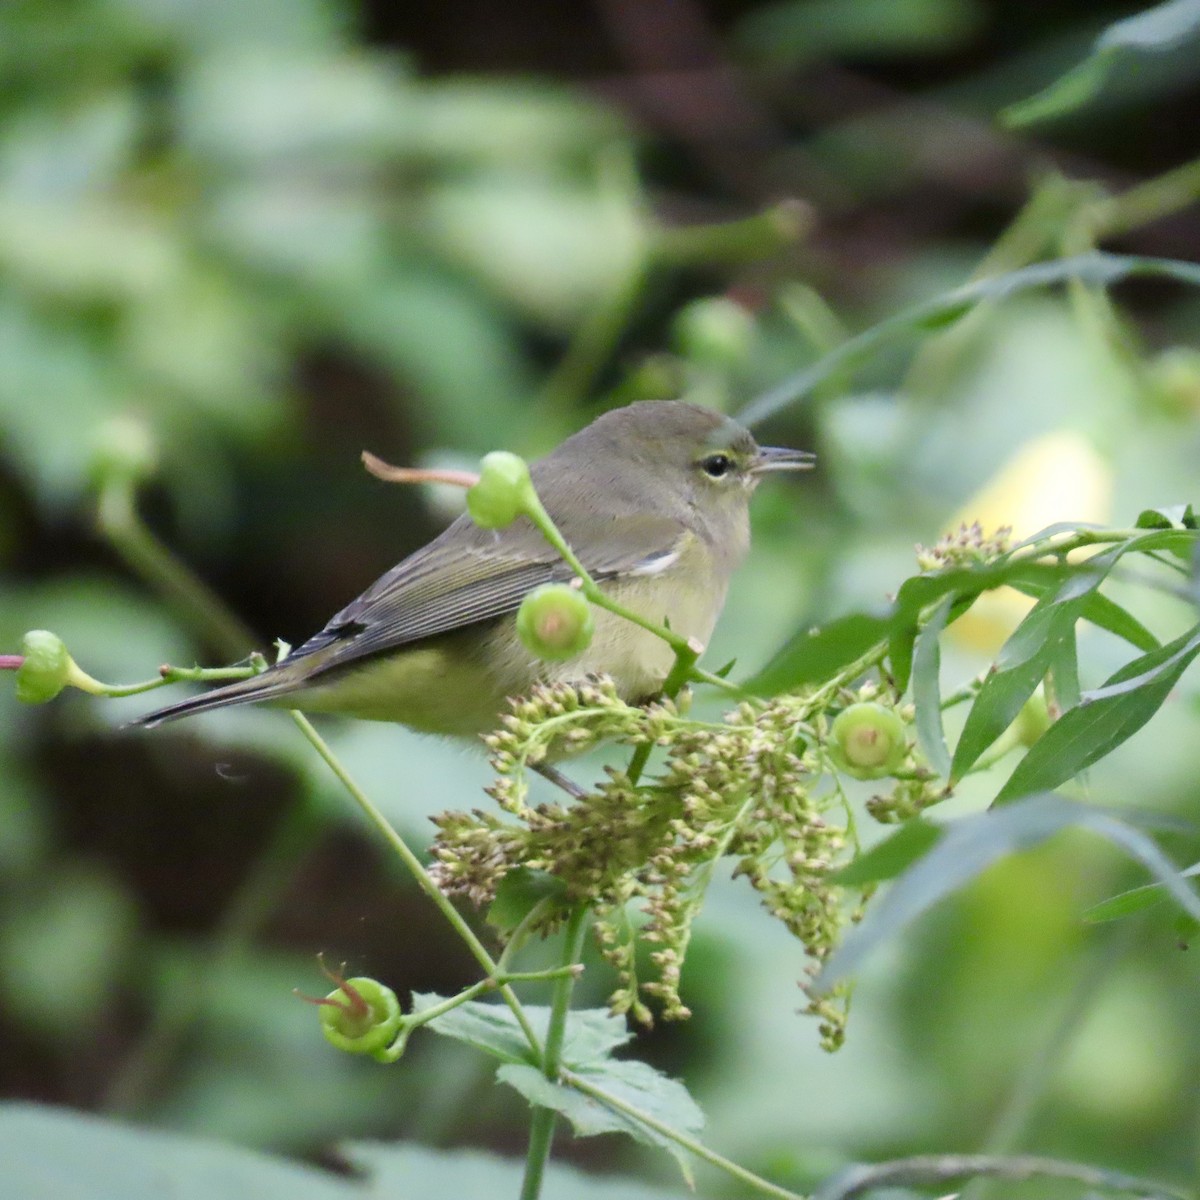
{"x":654,"y":500}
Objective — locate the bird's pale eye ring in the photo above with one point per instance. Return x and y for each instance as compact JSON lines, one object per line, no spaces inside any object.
{"x":716,"y":465}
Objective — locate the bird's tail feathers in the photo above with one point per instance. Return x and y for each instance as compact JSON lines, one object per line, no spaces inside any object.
{"x":244,"y":691}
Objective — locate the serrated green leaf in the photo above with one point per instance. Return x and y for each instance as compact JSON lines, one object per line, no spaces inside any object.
{"x":1103,"y":719}
{"x":591,"y":1034}
{"x":896,"y":853}
{"x":634,"y":1083}
{"x":1097,"y":268}
{"x":972,"y":844}
{"x":927,"y":689}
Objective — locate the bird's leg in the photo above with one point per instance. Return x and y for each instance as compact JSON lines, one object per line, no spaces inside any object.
{"x":557,"y":778}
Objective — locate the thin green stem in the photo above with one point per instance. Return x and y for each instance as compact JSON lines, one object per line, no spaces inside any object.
{"x":741,"y":240}
{"x":420,"y":875}
{"x":763,"y":1186}
{"x":684,"y":649}
{"x":1149,"y":201}
{"x":170,"y":675}
{"x":541,"y":1129}
{"x":119,"y":521}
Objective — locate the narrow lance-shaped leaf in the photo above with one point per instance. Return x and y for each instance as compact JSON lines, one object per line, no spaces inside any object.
{"x":927,"y":689}
{"x":1103,"y":719}
{"x":1035,"y":645}
{"x":896,"y":853}
{"x":1136,"y":900}
{"x":972,"y":844}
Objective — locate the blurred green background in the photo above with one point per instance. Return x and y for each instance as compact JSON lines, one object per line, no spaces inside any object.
{"x":275,"y":234}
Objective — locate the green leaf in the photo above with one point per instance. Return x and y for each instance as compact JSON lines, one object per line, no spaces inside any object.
{"x":1135,"y":900}
{"x":1103,"y":719}
{"x":927,"y":689}
{"x":1175,"y":516}
{"x":1034,"y":647}
{"x":635,"y":1083}
{"x":1097,"y":268}
{"x":1162,"y":28}
{"x":1105,"y":614}
{"x":403,"y":1171}
{"x":591,"y":1035}
{"x":894,"y":854}
{"x":972,"y":844}
{"x":519,"y":892}
{"x":1064,"y":670}
{"x":52,"y":1153}
{"x":815,"y":654}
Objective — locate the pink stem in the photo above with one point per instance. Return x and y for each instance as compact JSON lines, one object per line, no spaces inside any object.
{"x":11,"y":662}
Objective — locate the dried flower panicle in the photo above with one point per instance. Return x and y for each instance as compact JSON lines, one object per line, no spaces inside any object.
{"x":761,"y":787}
{"x":964,"y":547}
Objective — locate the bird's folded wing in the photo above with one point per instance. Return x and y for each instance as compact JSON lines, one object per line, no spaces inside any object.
{"x":431,"y":593}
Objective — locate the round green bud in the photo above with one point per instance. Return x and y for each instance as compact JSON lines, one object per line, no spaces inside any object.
{"x":46,"y":669}
{"x":715,"y":332}
{"x":555,"y":622}
{"x":503,"y":491}
{"x":124,"y":448}
{"x":868,"y":741}
{"x":362,"y":1016}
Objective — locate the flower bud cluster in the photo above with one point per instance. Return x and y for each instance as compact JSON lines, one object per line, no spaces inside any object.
{"x":964,"y":547}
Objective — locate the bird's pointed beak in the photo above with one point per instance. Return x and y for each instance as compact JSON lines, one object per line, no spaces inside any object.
{"x":776,"y":458}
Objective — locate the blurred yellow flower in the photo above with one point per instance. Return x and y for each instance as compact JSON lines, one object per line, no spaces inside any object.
{"x":1059,"y":476}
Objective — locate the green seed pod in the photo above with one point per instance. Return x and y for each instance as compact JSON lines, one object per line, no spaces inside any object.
{"x":867,"y":741}
{"x":361,"y":1016}
{"x":714,"y":332}
{"x":46,"y":669}
{"x":503,"y":491}
{"x":555,"y":622}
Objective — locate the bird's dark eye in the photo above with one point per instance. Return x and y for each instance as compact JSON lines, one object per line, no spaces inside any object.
{"x":716,"y":465}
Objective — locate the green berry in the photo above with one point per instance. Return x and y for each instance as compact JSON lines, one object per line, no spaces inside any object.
{"x":46,"y":669}
{"x":555,"y":622}
{"x":868,"y":741}
{"x":714,"y":332}
{"x":503,"y":491}
{"x":361,"y":1016}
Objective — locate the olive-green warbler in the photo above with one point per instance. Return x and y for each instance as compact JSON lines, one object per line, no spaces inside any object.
{"x":653,"y":498}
